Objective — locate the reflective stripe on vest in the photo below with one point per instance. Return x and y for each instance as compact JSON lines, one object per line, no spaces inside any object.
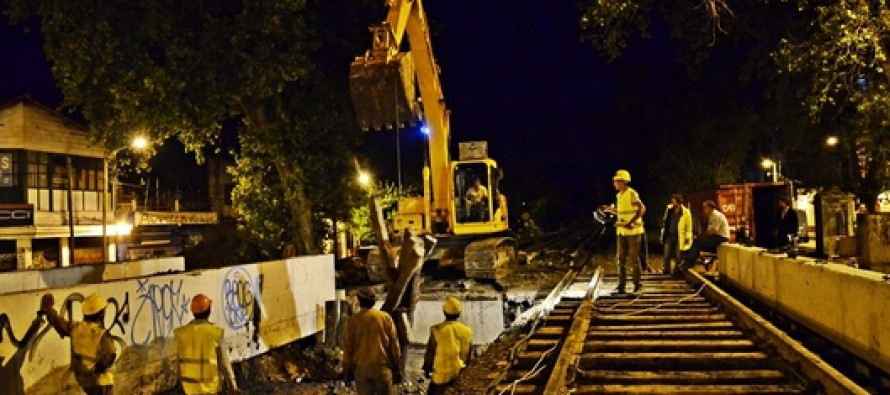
{"x":86,"y":339}
{"x":451,"y":337}
{"x":196,"y":346}
{"x":626,"y":210}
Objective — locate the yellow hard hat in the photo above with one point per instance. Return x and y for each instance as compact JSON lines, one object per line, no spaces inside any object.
{"x":451,"y":306}
{"x":93,"y":304}
{"x":200,"y":303}
{"x":621,"y":175}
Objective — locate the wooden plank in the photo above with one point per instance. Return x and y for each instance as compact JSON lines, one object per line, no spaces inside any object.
{"x":518,"y":389}
{"x":643,"y":318}
{"x":666,"y":334}
{"x":659,"y":310}
{"x":674,"y":360}
{"x":688,"y":326}
{"x":687,"y":389}
{"x":668,"y":344}
{"x":762,"y":376}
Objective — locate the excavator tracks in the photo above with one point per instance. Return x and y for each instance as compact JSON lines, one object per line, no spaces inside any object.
{"x":677,"y":336}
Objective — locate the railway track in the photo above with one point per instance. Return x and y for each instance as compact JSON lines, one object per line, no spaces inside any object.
{"x":678,"y":336}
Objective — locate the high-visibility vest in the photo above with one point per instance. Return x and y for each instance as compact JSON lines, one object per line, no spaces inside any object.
{"x":196,"y":346}
{"x":452,"y":350}
{"x":626,"y":211}
{"x":86,"y":339}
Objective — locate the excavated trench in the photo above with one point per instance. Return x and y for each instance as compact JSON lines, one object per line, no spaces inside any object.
{"x":311,"y":366}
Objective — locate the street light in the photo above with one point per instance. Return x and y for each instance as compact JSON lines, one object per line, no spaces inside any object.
{"x":831,"y":141}
{"x":769,"y":164}
{"x":364,"y":178}
{"x":138,"y":144}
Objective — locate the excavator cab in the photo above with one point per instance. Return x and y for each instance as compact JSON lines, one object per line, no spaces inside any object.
{"x":479,"y":207}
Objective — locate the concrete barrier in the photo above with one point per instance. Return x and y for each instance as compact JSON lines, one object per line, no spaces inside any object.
{"x":847,"y":305}
{"x":28,"y":280}
{"x":261,"y":306}
{"x":484,"y":314}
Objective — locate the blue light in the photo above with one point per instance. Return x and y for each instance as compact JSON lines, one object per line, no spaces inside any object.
{"x":425,"y":130}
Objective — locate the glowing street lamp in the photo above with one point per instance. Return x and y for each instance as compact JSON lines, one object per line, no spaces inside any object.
{"x":831,"y":141}
{"x":364,"y":178}
{"x":770,"y":165}
{"x":138,"y":143}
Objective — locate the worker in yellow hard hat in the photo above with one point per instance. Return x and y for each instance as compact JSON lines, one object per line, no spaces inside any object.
{"x":629,"y":228}
{"x":371,"y":352}
{"x":448,"y":349}
{"x":202,"y":357}
{"x":93,"y":351}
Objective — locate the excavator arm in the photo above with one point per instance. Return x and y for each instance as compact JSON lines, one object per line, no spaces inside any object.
{"x":383,"y":85}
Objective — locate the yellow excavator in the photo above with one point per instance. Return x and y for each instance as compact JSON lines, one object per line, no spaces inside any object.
{"x":461,"y":206}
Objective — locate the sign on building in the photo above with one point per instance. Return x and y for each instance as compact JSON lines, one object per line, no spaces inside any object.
{"x":6,"y":174}
{"x":16,"y":215}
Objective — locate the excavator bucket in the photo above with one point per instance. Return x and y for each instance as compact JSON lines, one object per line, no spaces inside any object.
{"x":383,"y":92}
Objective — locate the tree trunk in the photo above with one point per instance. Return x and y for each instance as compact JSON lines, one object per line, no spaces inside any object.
{"x":291,"y":181}
{"x":300,"y":209}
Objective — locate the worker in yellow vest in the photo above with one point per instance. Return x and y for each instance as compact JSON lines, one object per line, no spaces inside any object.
{"x":92,"y":349}
{"x":629,"y":227}
{"x":202,"y":357}
{"x":448,"y":349}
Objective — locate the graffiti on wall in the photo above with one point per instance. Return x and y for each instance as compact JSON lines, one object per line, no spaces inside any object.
{"x":11,"y":381}
{"x":240,"y":294}
{"x":165,"y":304}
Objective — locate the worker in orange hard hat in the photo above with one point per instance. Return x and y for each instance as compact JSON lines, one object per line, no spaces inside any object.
{"x":448,"y":349}
{"x":371,"y":352}
{"x":92,"y":349}
{"x":202,"y":357}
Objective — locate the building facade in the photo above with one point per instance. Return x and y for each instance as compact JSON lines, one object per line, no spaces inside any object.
{"x":51,"y":190}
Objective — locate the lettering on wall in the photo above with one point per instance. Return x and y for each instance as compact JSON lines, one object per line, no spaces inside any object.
{"x":165,"y":303}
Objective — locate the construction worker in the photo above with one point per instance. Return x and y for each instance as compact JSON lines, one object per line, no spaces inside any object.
{"x":92,"y":349}
{"x":629,"y":228}
{"x":717,"y":233}
{"x":676,"y":232}
{"x":448,"y":348}
{"x":371,"y":353}
{"x":202,"y":357}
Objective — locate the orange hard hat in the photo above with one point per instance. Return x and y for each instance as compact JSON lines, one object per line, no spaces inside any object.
{"x":200,"y":304}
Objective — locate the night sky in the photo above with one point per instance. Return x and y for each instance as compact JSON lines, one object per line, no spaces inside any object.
{"x":515,"y":74}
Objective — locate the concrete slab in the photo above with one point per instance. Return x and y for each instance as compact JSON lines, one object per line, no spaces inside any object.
{"x":484,"y":314}
{"x":850,"y":306}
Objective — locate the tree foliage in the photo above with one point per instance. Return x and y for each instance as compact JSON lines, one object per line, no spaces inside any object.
{"x":181,"y":69}
{"x":828,"y":55}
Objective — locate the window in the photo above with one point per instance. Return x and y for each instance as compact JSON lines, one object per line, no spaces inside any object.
{"x":59,"y":171}
{"x":37,"y":169}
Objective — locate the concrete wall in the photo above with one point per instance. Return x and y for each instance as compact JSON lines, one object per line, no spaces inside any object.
{"x":28,"y":280}
{"x":847,"y":305}
{"x":484,"y":314}
{"x":260,"y":306}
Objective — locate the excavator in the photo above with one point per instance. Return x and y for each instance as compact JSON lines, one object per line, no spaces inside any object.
{"x":461,"y":206}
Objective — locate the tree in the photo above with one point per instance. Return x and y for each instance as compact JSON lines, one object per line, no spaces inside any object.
{"x":834,"y":50}
{"x":180,"y":69}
